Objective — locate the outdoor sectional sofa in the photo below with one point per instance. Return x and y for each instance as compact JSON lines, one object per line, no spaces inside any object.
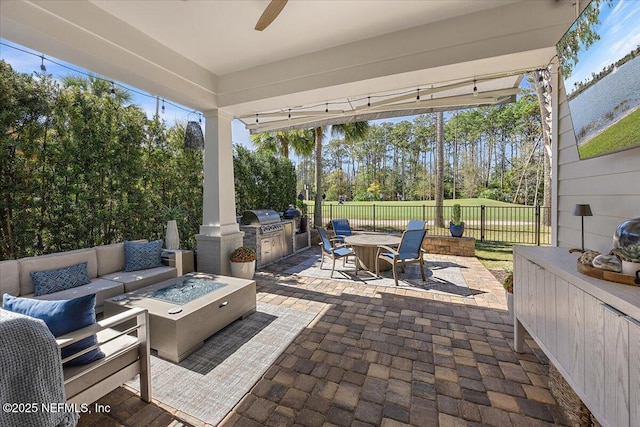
{"x":105,"y":267}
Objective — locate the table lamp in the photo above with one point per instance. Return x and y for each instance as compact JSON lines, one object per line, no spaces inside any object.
{"x":582,"y":211}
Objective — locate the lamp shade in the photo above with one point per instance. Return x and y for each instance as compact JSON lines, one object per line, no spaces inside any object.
{"x":582,"y":210}
{"x":193,"y":137}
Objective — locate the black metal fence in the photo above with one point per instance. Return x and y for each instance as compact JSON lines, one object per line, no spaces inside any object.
{"x":513,"y":224}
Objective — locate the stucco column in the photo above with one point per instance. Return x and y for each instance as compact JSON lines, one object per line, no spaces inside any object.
{"x":219,"y":232}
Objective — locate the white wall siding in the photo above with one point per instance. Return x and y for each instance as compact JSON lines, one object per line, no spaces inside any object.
{"x":610,"y":184}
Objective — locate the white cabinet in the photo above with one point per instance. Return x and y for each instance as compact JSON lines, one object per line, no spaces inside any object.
{"x":594,"y":353}
{"x":616,"y":367}
{"x":634,"y":371}
{"x":587,"y":327}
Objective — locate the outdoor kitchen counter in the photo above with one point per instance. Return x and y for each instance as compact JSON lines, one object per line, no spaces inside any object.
{"x":366,"y":248}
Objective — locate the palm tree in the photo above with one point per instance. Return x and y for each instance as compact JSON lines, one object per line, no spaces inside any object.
{"x":300,"y":141}
{"x":98,"y":87}
{"x":350,"y":132}
{"x":439,"y":168}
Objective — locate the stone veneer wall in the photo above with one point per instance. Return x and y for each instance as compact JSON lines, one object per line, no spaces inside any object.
{"x":447,"y":245}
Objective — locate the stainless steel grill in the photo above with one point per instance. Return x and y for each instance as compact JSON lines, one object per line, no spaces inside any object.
{"x":264,"y":232}
{"x":260,"y":217}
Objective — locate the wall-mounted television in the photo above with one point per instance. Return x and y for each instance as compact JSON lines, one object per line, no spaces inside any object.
{"x":600,"y":65}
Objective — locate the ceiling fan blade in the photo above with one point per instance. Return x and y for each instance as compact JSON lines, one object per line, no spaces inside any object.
{"x":270,"y":13}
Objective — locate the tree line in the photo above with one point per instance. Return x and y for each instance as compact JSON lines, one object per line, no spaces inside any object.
{"x":495,"y":152}
{"x":82,"y":166}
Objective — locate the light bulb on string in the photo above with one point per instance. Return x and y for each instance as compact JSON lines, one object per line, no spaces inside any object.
{"x":475,"y":88}
{"x":42,"y":66}
{"x":257,"y":121}
{"x":368,"y":101}
{"x":326,"y":108}
{"x":113,"y":90}
{"x":163,"y":106}
{"x":199,"y":118}
{"x":418,"y":95}
{"x":289,"y":113}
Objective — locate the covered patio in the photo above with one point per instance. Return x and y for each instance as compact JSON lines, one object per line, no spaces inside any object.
{"x":365,"y":60}
{"x":372,"y":355}
{"x":377,"y":355}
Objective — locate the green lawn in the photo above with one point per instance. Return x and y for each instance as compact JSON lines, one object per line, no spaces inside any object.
{"x":394,"y":210}
{"x":620,"y":135}
{"x":495,"y":255}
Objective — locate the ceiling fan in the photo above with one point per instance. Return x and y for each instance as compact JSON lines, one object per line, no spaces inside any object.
{"x":270,"y":14}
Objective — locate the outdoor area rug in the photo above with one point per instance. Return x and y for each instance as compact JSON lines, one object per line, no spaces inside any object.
{"x":211,"y":381}
{"x":442,"y":277}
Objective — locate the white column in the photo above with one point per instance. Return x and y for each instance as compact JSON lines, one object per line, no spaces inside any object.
{"x":555,"y":149}
{"x":219,"y":232}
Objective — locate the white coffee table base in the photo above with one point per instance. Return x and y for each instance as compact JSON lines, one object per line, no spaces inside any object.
{"x":175,"y":336}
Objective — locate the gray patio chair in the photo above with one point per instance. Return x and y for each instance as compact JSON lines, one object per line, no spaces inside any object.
{"x":409,"y":251}
{"x":416,"y":224}
{"x":334,"y":251}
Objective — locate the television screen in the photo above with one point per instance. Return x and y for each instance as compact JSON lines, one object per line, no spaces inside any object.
{"x":600,"y":65}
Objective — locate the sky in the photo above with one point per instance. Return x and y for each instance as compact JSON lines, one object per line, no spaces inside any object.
{"x":619,"y":32}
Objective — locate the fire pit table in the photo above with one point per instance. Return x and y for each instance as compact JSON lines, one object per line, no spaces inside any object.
{"x":186,"y":310}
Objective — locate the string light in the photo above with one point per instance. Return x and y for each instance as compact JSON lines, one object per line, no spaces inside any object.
{"x":199,"y":118}
{"x":43,"y":68}
{"x":289,"y":113}
{"x":163,"y":106}
{"x":113,"y":90}
{"x":475,"y":88}
{"x":257,"y":121}
{"x":368,"y":101}
{"x":418,"y":95}
{"x":326,"y":108}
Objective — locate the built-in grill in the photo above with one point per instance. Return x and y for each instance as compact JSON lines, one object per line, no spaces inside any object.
{"x":264,"y":232}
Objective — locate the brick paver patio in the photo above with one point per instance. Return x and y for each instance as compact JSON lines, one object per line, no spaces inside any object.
{"x":381,"y":356}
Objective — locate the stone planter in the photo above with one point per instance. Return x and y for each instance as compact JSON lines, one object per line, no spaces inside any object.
{"x":510,"y":305}
{"x":243,"y":270}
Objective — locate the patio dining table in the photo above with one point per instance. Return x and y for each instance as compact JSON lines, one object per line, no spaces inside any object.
{"x":365,"y":247}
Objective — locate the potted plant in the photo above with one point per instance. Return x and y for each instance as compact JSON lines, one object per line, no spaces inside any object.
{"x":630,"y":257}
{"x":508,"y":289}
{"x":456,"y":226}
{"x":243,"y":262}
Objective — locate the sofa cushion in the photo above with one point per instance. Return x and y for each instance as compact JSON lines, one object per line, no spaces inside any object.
{"x":62,"y":317}
{"x":53,"y":261}
{"x":9,"y":277}
{"x":50,"y":281}
{"x":134,"y":280}
{"x":110,"y":258}
{"x":102,"y":288}
{"x":142,"y":256}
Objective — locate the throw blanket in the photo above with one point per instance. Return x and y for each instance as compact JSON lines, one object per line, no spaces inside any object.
{"x":31,"y":373}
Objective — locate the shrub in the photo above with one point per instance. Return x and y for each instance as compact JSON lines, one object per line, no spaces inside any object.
{"x":508,"y":283}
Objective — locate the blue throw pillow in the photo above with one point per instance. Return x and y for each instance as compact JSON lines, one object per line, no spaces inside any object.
{"x":50,"y":281}
{"x":141,"y":256}
{"x":62,"y":317}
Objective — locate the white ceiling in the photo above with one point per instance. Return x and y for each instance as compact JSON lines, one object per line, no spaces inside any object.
{"x":206,"y":55}
{"x":219,"y":35}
